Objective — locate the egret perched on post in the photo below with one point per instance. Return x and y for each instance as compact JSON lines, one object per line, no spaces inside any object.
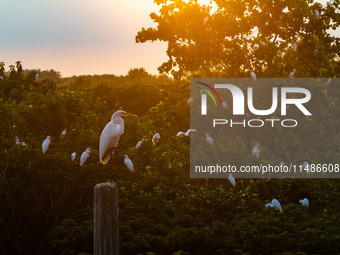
{"x":110,"y":136}
{"x":232,"y":179}
{"x":253,"y":75}
{"x":84,"y":156}
{"x":73,"y":156}
{"x":209,"y":139}
{"x":276,"y":204}
{"x":304,"y":202}
{"x":256,"y":151}
{"x":155,"y":139}
{"x":128,"y":162}
{"x":46,"y":144}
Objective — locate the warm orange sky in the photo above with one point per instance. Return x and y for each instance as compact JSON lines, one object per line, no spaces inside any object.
{"x":79,"y":36}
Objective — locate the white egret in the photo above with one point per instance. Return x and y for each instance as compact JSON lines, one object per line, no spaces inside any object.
{"x":46,"y":144}
{"x":305,"y":166}
{"x":180,"y":133}
{"x":73,"y":156}
{"x":304,"y":202}
{"x":155,"y":139}
{"x":256,"y":151}
{"x":63,"y":133}
{"x":17,"y":141}
{"x":294,"y":47}
{"x":37,"y":76}
{"x":128,"y":162}
{"x":224,"y":104}
{"x":276,"y":204}
{"x":84,"y":156}
{"x":190,"y":101}
{"x":205,"y":20}
{"x":253,"y":75}
{"x":317,"y":14}
{"x":139,"y":144}
{"x":189,"y":130}
{"x":209,"y":139}
{"x":291,"y":75}
{"x":110,"y":135}
{"x":24,"y":144}
{"x":232,"y":179}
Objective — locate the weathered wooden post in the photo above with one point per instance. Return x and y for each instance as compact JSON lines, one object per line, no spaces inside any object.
{"x":106,"y":234}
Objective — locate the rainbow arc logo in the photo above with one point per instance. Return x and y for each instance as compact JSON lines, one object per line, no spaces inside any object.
{"x":209,"y":93}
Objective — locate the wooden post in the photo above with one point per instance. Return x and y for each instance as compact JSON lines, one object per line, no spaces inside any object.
{"x":106,"y":234}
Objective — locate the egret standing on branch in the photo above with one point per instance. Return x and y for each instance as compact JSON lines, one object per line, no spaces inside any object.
{"x":155,"y":139}
{"x":128,"y":163}
{"x":45,"y":144}
{"x":110,"y":136}
{"x":84,"y":156}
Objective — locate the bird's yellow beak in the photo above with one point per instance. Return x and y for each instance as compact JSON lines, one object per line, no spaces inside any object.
{"x":130,"y":114}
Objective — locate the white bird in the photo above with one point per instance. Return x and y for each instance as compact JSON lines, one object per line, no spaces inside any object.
{"x":256,"y":151}
{"x":46,"y":144}
{"x":304,"y":202}
{"x":224,"y":104}
{"x":30,"y":106}
{"x":63,"y":133}
{"x":328,"y":3}
{"x":317,"y":14}
{"x":205,"y":20}
{"x":84,"y":156}
{"x":155,"y":139}
{"x":139,"y":144}
{"x":24,"y":144}
{"x":232,"y":179}
{"x":128,"y":162}
{"x":17,"y":141}
{"x":291,"y":75}
{"x":190,"y":101}
{"x":180,"y":133}
{"x":294,"y":46}
{"x":209,"y":139}
{"x":37,"y":76}
{"x":328,"y":81}
{"x":189,"y":130}
{"x":253,"y":75}
{"x":73,"y":156}
{"x":305,"y":166}
{"x":276,"y":204}
{"x":110,"y":135}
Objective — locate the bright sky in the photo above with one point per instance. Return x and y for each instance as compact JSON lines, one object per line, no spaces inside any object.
{"x":79,"y":37}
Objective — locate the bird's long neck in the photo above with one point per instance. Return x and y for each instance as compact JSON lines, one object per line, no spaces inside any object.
{"x":119,"y":122}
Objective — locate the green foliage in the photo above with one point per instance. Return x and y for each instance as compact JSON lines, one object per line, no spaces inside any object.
{"x":46,"y":201}
{"x":231,"y":38}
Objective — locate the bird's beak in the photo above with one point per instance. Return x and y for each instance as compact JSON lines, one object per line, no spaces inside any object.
{"x":130,"y":114}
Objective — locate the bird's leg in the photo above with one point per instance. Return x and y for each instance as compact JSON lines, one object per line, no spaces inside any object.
{"x":110,"y":173}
